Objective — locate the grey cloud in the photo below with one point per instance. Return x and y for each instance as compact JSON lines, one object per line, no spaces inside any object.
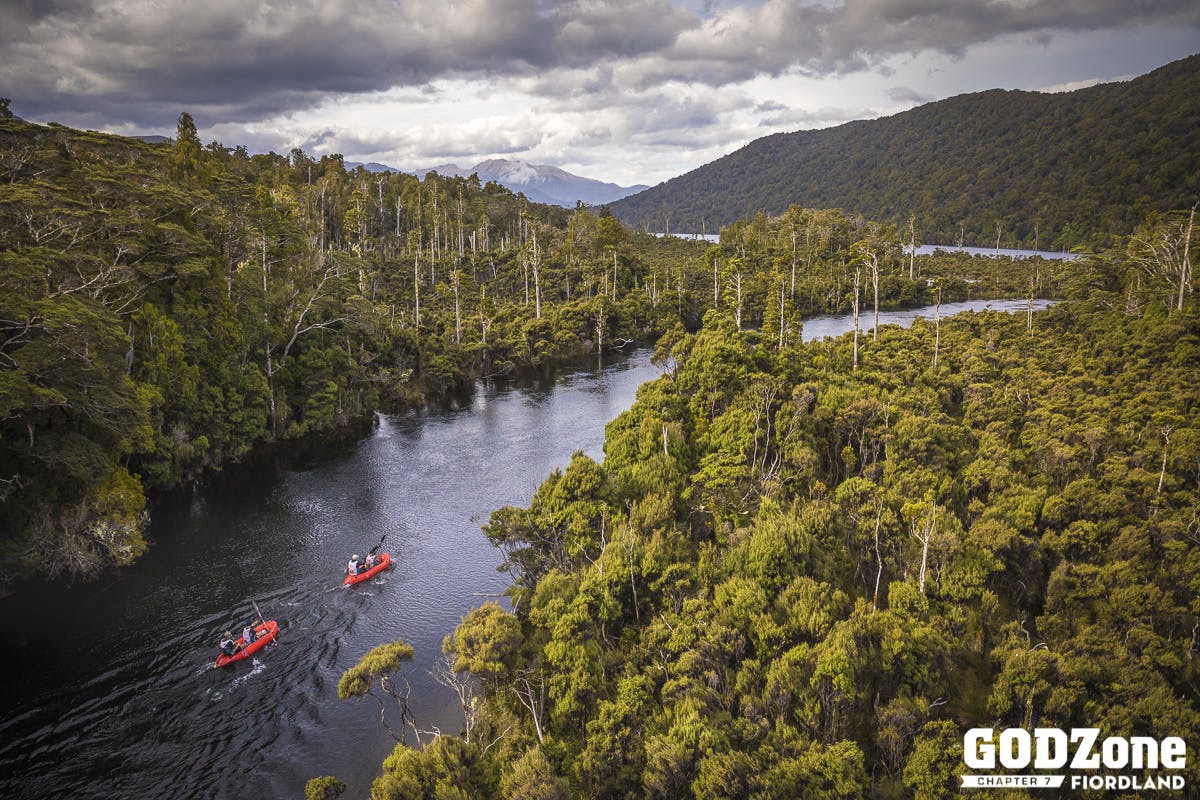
{"x":782,"y":35}
{"x":591,"y":137}
{"x":142,"y":61}
{"x":429,"y":144}
{"x":819,"y":118}
{"x":903,"y":94}
{"x":256,"y":141}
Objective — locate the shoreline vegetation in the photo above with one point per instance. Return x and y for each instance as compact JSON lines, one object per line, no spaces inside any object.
{"x":805,"y":571}
{"x":169,"y":308}
{"x":802,"y":569}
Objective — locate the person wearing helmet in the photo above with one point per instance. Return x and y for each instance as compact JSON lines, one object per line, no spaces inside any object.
{"x":352,"y":567}
{"x":228,"y":644}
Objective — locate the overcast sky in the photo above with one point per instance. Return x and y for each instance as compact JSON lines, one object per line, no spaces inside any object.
{"x":631,"y":91}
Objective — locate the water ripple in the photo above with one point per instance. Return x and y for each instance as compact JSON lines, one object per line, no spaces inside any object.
{"x":127,"y":705}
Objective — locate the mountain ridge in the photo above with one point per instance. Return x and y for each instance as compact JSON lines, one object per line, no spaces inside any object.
{"x":541,"y":183}
{"x":1042,"y":169}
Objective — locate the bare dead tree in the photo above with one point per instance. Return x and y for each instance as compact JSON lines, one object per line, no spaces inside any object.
{"x":735,"y":283}
{"x":937,"y":323}
{"x":464,"y":689}
{"x":530,"y":689}
{"x":454,"y":282}
{"x":857,"y":285}
{"x":533,"y":262}
{"x":1164,"y":251}
{"x":912,"y":246}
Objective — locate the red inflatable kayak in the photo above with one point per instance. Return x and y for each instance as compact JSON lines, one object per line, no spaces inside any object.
{"x":264,"y":632}
{"x":383,"y":563}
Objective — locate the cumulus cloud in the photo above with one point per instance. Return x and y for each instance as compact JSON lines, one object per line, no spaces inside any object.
{"x":779,"y":36}
{"x":678,"y":120}
{"x":659,"y":83}
{"x":141,"y":61}
{"x":230,"y":60}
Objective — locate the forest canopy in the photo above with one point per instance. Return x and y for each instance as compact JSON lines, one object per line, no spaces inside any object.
{"x":166,"y":309}
{"x":170,"y":308}
{"x":802,"y":569}
{"x":805,"y":569}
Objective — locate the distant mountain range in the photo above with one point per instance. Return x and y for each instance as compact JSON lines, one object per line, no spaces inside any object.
{"x":539,"y":182}
{"x":1047,"y":170}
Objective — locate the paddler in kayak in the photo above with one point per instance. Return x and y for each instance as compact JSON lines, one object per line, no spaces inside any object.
{"x":247,"y":635}
{"x":230,"y":646}
{"x":353,"y":567}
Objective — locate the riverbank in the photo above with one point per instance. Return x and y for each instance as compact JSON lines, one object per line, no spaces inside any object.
{"x":91,"y":716}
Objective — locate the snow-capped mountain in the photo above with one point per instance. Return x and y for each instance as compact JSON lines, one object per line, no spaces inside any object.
{"x":540,"y":182}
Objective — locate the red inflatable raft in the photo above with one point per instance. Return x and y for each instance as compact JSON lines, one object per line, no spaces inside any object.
{"x":383,"y":563}
{"x":264,"y":632}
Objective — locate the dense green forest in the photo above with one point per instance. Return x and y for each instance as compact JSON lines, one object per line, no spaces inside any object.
{"x":805,"y":569}
{"x":1026,"y":169}
{"x":802,"y":569}
{"x":168,"y":308}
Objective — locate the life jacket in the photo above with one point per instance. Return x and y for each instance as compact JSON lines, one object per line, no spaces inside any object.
{"x":352,"y":567}
{"x":248,"y":634}
{"x":227,"y":646}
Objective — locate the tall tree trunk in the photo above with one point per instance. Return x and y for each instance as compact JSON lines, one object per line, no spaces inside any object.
{"x":271,"y":391}
{"x":937,"y":325}
{"x":1185,"y":266}
{"x":737,"y":312}
{"x":716,"y":285}
{"x":782,"y":318}
{"x":535,"y":262}
{"x":417,"y":290}
{"x":792,"y":294}
{"x":857,"y":283}
{"x":457,"y":315}
{"x":875,"y":285}
{"x":878,"y":552}
{"x":912,"y":246}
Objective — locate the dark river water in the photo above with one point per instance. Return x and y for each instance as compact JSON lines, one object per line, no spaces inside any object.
{"x":113,"y":696}
{"x":110,"y":693}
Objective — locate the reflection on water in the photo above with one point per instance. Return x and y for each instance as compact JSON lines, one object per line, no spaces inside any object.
{"x":993,"y":252}
{"x":831,"y":325}
{"x":114,"y":696}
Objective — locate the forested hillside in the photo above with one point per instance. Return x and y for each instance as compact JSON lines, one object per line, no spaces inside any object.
{"x":167,"y":308}
{"x":805,"y":569}
{"x":802,"y":569}
{"x":1049,"y":171}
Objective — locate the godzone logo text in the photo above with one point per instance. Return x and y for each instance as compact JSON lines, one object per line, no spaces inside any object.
{"x":1136,"y":758}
